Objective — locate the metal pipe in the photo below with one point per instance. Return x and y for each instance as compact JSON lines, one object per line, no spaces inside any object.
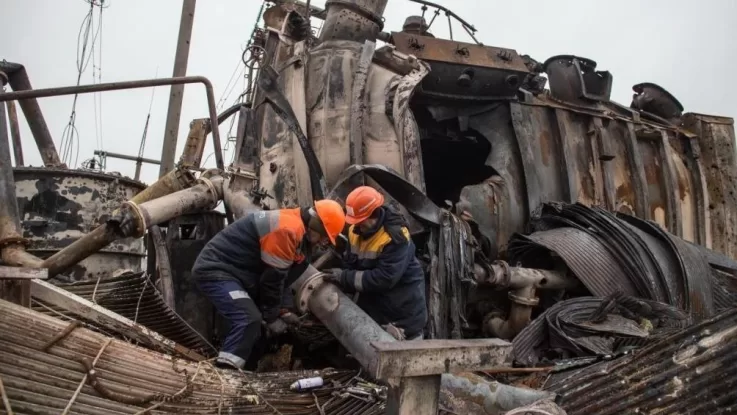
{"x":11,"y":237}
{"x":173,"y":114}
{"x":104,"y":234}
{"x":18,"y":80}
{"x":520,"y":312}
{"x":102,"y":153}
{"x":471,"y":394}
{"x":349,"y":324}
{"x":205,"y":195}
{"x":504,"y":276}
{"x":15,"y":134}
{"x":117,"y":86}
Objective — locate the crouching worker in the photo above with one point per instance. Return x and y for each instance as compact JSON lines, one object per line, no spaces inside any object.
{"x":242,"y":270}
{"x":381,"y":266}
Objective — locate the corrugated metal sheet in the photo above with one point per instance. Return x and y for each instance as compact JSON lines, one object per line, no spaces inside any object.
{"x":133,"y":296}
{"x":693,"y":371}
{"x":44,"y":382}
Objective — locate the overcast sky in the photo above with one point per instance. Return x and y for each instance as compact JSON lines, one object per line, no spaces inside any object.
{"x":685,"y":46}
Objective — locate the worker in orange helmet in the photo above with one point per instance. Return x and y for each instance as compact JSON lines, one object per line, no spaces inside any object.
{"x":242,"y":270}
{"x":381,"y":266}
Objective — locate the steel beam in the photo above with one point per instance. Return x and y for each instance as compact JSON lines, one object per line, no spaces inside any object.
{"x":15,"y":134}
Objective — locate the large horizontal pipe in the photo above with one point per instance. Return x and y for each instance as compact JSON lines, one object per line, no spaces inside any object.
{"x":204,"y":195}
{"x":144,"y":83}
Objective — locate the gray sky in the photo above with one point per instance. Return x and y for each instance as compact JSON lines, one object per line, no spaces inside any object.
{"x":684,"y":46}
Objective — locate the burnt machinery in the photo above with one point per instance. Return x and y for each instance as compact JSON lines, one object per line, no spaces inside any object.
{"x":467,"y":142}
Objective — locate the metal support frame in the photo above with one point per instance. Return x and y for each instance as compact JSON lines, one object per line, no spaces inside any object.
{"x":15,"y":133}
{"x":143,"y":83}
{"x":169,"y":147}
{"x":18,"y":79}
{"x":139,"y":160}
{"x":12,"y":242}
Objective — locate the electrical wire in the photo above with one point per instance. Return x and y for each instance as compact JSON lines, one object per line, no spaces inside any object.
{"x":69,"y":145}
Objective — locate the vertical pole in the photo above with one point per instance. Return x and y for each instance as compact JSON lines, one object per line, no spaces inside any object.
{"x":15,"y":133}
{"x":176,"y":95}
{"x":16,"y":291}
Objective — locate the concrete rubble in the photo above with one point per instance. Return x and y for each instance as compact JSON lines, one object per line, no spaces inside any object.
{"x":580,"y":254}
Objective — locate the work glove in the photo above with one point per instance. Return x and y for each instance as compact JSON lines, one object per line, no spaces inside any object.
{"x":290,"y":318}
{"x":334,"y":275}
{"x":276,"y":327}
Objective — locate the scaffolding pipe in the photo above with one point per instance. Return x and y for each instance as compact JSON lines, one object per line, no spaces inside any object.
{"x":117,"y":86}
{"x":18,"y":80}
{"x":15,"y":134}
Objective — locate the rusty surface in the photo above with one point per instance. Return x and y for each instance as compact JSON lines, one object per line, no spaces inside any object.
{"x":691,"y":371}
{"x":464,"y":71}
{"x":716,"y":139}
{"x":58,"y":206}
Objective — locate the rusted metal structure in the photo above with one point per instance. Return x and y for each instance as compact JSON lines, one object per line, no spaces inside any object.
{"x":467,"y":142}
{"x":58,"y":206}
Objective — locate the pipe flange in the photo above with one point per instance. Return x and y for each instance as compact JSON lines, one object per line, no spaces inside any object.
{"x":506,"y":273}
{"x":303,"y":292}
{"x":141,"y":224}
{"x":211,"y":188}
{"x":530,"y":302}
{"x":15,"y":240}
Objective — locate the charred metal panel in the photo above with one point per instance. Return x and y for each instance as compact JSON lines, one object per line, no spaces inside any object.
{"x":185,"y":237}
{"x":574,"y":155}
{"x":499,"y":205}
{"x":58,"y":206}
{"x":716,"y":142}
{"x":330,"y":77}
{"x":465,"y":71}
{"x":535,"y":128}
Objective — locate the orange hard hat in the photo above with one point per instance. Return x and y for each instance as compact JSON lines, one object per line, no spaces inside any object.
{"x":332,"y":217}
{"x":361,"y":203}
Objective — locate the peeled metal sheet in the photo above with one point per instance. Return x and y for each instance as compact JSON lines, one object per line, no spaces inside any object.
{"x":44,"y":382}
{"x":133,"y":296}
{"x":693,"y":371}
{"x":589,"y":326}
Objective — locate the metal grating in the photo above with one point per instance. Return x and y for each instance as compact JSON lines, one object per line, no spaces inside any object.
{"x":132,"y":295}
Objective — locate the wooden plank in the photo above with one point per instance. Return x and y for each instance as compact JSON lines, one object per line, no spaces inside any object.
{"x":433,"y":357}
{"x":23,"y":273}
{"x":74,"y":304}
